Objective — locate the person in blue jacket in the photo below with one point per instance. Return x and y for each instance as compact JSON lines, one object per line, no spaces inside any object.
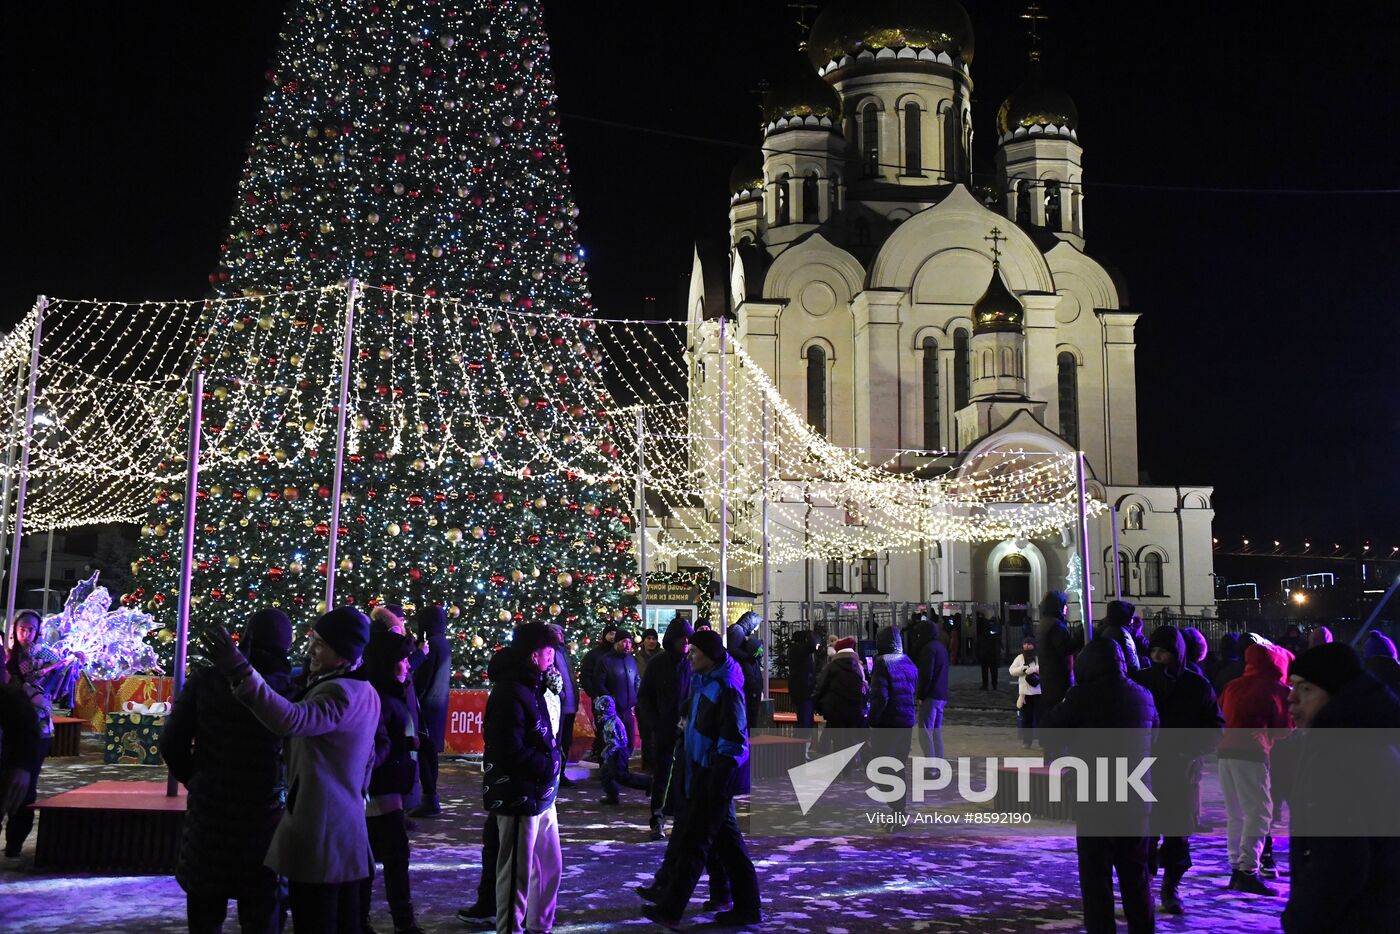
{"x":716,"y":760}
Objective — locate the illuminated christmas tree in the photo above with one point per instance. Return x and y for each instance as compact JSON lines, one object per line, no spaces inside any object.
{"x":414,"y":146}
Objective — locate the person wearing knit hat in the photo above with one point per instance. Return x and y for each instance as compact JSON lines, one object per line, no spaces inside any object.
{"x":590,"y":675}
{"x":1380,"y":660}
{"x":715,"y":751}
{"x":1344,"y":818}
{"x":232,"y":767}
{"x":844,"y":643}
{"x":392,"y":781}
{"x":322,"y":845}
{"x":1191,"y":727}
{"x":841,"y":696}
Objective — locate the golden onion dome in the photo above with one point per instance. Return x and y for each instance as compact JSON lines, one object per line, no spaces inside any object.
{"x":851,"y":26}
{"x":748,"y":174}
{"x":998,"y":310}
{"x":796,"y":90}
{"x":1036,"y":103}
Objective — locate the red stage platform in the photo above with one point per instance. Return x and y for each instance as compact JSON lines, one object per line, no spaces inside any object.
{"x":123,"y":827}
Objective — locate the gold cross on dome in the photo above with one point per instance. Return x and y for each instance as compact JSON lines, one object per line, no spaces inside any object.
{"x":995,"y":238}
{"x":1034,"y":16}
{"x":803,"y":8}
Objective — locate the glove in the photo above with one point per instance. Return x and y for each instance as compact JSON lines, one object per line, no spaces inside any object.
{"x":722,"y":769}
{"x":221,"y":650}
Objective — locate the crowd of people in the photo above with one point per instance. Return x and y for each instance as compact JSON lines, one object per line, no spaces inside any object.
{"x":304,"y":779}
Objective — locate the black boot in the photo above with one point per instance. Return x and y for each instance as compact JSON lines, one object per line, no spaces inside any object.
{"x":1171,"y":901}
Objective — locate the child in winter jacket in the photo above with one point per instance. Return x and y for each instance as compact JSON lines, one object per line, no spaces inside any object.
{"x":613,"y":766}
{"x":394,"y":777}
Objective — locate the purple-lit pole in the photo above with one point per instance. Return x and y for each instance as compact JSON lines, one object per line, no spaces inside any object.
{"x":40,"y":306}
{"x":182,"y":626}
{"x":1086,"y":597}
{"x":352,"y":287}
{"x":723,"y":621}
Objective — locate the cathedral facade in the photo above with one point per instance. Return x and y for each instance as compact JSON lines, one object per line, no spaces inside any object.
{"x":925,"y":322}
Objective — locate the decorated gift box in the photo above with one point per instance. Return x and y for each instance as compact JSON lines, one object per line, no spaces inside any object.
{"x":95,"y":701}
{"x":133,"y":736}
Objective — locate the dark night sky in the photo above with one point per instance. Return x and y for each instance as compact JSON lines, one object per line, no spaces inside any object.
{"x":1268,"y":344}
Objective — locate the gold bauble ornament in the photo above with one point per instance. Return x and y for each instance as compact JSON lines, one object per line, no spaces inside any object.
{"x":454,"y":611}
{"x":254,"y":493}
{"x":346,"y":564}
{"x":555,"y":609}
{"x":565,"y":579}
{"x":454,"y":535}
{"x":233,"y":561}
{"x":478,"y":642}
{"x":503,"y":616}
{"x":393,"y":528}
{"x":517,"y":575}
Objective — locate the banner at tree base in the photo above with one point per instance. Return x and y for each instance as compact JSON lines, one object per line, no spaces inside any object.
{"x":466,"y":714}
{"x":94,"y":700}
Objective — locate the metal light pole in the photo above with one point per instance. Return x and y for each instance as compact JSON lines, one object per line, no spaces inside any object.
{"x":642,"y":511}
{"x":723,"y":622}
{"x":182,"y":626}
{"x":1086,"y":603}
{"x":13,"y":590}
{"x":8,"y":482}
{"x":352,"y":289}
{"x":767,"y":624}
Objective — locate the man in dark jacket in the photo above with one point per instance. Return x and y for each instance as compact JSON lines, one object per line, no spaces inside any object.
{"x":746,"y":648}
{"x":665,"y":687}
{"x":481,"y":914}
{"x":1344,"y":848}
{"x":568,"y":701}
{"x":232,"y":766}
{"x":619,"y":678}
{"x":386,"y":666}
{"x":1055,"y":649}
{"x":588,"y":675}
{"x":716,"y":759}
{"x":1105,"y":714}
{"x":1191,"y":728}
{"x":1115,"y":626}
{"x":894,"y":682}
{"x":842,"y":696}
{"x":988,"y":649}
{"x":931,"y":659}
{"x":432,"y":681}
{"x":802,"y":677}
{"x":520,"y":772}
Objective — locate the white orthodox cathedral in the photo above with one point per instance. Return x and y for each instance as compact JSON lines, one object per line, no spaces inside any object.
{"x":902,"y":310}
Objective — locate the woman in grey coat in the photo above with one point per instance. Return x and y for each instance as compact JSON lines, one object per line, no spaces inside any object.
{"x":333,"y":742}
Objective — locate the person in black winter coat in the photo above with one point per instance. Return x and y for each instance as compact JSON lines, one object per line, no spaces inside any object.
{"x":802,"y":677}
{"x":21,"y":742}
{"x":1191,"y":727}
{"x":746,"y":648}
{"x":933,"y":664}
{"x":988,"y":649}
{"x":1055,"y":648}
{"x":520,"y":780}
{"x":386,"y":664}
{"x":842,"y":696}
{"x":619,"y":677}
{"x":665,"y":686}
{"x":232,"y":766}
{"x":1344,"y":844}
{"x":432,"y":682}
{"x":568,"y":699}
{"x":588,"y":675}
{"x":482,"y":912}
{"x":1116,"y":624}
{"x":894,"y":684}
{"x":1105,"y":714}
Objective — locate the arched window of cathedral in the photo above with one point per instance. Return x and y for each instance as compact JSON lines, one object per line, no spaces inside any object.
{"x":860,"y":232}
{"x":913,"y":139}
{"x":1152,"y":575}
{"x":962,"y":368}
{"x":784,"y":196}
{"x":1134,"y":518}
{"x":932,"y":440}
{"x":870,"y":141}
{"x":810,"y":211}
{"x":816,"y":388}
{"x":1069,"y":397}
{"x":988,"y":367}
{"x":1023,"y":201}
{"x":1124,"y":562}
{"x":1052,"y":204}
{"x":952,"y":145}
{"x":835,"y":576}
